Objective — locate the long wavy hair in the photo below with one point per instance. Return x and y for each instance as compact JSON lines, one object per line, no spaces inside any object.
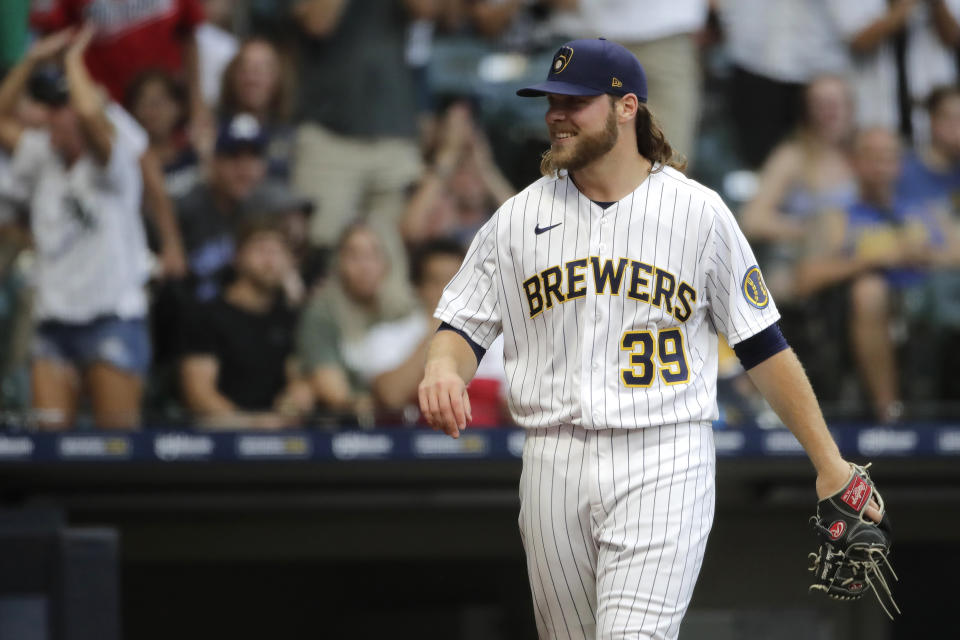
{"x":651,"y":143}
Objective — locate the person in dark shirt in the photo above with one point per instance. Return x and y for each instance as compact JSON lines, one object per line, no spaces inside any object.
{"x":236,"y":190}
{"x":237,"y":370}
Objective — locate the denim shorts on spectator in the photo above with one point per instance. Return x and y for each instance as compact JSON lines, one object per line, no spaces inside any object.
{"x":123,"y":343}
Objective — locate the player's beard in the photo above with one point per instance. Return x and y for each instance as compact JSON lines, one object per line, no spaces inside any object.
{"x":583,"y":149}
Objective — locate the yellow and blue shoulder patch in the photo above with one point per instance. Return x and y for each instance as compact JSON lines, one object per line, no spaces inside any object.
{"x":754,"y":289}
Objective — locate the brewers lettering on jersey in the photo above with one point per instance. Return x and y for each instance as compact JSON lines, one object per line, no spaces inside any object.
{"x":610,"y":279}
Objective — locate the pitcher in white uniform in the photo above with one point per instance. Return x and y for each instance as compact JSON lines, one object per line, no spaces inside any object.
{"x":610,"y":279}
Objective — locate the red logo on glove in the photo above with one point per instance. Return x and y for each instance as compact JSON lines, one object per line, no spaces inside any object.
{"x":856,"y":494}
{"x":837,"y":528}
{"x":856,"y":586}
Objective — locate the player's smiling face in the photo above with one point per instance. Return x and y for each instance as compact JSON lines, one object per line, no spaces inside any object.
{"x":582,"y":129}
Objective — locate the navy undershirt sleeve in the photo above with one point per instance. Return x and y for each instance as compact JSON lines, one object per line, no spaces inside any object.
{"x":761,"y":346}
{"x":477,"y":349}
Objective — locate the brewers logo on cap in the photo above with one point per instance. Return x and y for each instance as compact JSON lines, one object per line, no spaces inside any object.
{"x":562,"y":59}
{"x":754,"y":290}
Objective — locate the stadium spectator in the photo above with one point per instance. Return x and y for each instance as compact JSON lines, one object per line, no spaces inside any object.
{"x":236,"y":188}
{"x":776,"y":47}
{"x":900,"y":51}
{"x":45,"y":87}
{"x":258,"y":81}
{"x":134,"y":36}
{"x":461,"y":187}
{"x":356,"y":151}
{"x":337,"y":320}
{"x":932,"y":174}
{"x":238,"y":370}
{"x":882,"y":246}
{"x":159,"y":104}
{"x":661,"y":34}
{"x":83,"y":182}
{"x":805,"y":175}
{"x":395,"y":352}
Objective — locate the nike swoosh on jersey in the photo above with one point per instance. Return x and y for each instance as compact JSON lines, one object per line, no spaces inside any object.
{"x":538,"y":229}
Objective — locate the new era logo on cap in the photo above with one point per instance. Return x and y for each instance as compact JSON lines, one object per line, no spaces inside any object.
{"x":592,"y":67}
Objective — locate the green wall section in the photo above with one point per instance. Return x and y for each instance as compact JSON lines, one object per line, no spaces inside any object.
{"x":13,"y":31}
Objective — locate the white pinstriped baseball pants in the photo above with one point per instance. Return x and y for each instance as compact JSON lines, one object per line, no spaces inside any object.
{"x":614,"y":523}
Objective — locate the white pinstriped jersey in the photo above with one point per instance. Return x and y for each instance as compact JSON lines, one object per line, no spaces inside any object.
{"x":610,"y":316}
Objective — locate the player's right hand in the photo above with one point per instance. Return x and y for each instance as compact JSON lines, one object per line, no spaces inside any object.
{"x":832,"y":479}
{"x":443,"y":399}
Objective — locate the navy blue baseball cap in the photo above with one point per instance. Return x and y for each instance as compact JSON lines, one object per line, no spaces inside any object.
{"x":592,"y":67}
{"x":241,"y":133}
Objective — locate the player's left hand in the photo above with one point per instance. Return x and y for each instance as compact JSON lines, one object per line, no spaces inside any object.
{"x":443,"y":399}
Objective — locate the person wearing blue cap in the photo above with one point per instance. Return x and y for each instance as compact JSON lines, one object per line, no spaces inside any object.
{"x":237,"y":187}
{"x":610,"y":279}
{"x":581,"y":71}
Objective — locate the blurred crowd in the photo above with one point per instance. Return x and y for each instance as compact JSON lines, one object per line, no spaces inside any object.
{"x":242,"y":214}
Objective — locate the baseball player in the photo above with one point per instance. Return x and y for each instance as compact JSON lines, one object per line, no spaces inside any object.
{"x":610,"y":279}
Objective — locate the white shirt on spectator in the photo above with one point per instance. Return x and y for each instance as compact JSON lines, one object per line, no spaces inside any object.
{"x":784,"y":40}
{"x":389,"y":344}
{"x":128,"y":127}
{"x":92,"y":257}
{"x":631,"y":21}
{"x":928,"y":62}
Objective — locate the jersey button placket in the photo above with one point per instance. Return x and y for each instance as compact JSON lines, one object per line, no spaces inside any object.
{"x":594,"y":355}
{"x":604,"y":219}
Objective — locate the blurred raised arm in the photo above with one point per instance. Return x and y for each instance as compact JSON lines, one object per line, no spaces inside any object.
{"x":86,"y":99}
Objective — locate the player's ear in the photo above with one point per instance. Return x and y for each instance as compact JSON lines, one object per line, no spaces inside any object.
{"x":627,"y":107}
